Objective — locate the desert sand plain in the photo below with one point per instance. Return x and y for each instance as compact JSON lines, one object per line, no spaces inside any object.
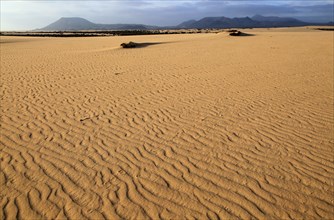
{"x":191,"y":126}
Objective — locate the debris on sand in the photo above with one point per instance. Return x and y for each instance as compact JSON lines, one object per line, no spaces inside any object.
{"x":129,"y":45}
{"x":238,"y":33}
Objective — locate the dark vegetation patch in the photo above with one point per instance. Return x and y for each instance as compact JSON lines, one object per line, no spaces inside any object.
{"x":137,"y":45}
{"x":129,"y":45}
{"x":325,"y":29}
{"x":238,"y":33}
{"x":99,"y":33}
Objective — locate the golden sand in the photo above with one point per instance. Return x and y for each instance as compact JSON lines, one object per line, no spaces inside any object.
{"x":204,"y":126}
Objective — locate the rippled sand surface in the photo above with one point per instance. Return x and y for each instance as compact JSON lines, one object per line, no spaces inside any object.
{"x":200,"y":126}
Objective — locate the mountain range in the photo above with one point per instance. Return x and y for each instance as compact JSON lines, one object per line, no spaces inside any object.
{"x":257,"y":21}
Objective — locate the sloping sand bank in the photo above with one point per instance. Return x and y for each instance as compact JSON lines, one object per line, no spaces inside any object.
{"x":204,"y":126}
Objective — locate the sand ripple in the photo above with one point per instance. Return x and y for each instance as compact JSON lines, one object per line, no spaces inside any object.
{"x":199,"y":127}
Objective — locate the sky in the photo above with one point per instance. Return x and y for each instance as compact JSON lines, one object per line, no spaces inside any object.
{"x":29,"y":15}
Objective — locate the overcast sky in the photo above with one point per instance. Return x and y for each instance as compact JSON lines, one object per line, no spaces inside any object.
{"x":27,"y":15}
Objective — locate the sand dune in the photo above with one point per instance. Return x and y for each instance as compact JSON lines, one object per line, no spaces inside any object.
{"x":201,"y":126}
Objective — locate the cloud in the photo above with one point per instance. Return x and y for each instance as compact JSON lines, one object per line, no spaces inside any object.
{"x":25,"y":15}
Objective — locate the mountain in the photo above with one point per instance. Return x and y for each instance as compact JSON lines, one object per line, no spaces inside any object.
{"x":272,"y":18}
{"x":255,"y":21}
{"x":70,"y":24}
{"x":75,"y":24}
{"x":222,"y":22}
{"x":186,"y":23}
{"x":272,"y":21}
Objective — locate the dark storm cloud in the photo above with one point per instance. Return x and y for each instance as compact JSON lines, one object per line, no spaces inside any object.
{"x":27,"y":14}
{"x":174,"y":14}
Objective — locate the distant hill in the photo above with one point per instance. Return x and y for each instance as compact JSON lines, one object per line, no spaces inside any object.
{"x":245,"y":22}
{"x":257,"y":21}
{"x":186,"y":23}
{"x":278,"y":21}
{"x":71,"y":24}
{"x":75,"y":24}
{"x":222,"y":22}
{"x":272,"y":19}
